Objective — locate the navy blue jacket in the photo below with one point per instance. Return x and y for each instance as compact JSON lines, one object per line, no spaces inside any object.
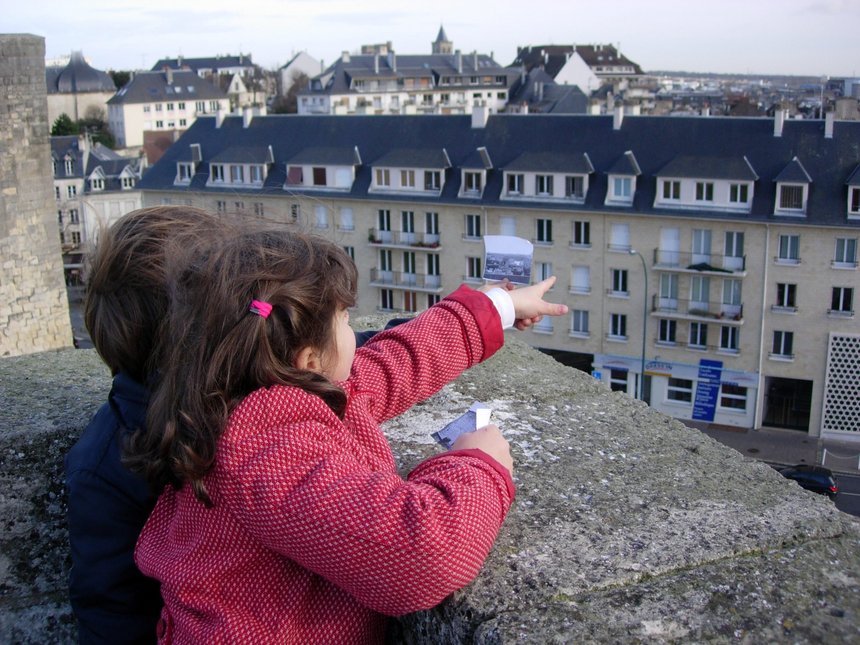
{"x":107,"y":507}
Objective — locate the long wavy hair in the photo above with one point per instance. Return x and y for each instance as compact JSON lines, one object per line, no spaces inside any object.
{"x":216,"y":351}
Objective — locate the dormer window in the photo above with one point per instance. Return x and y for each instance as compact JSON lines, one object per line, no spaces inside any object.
{"x":515,"y":183}
{"x":472,"y":183}
{"x":127,"y":183}
{"x":237,"y":174}
{"x":383,"y":177}
{"x":792,"y":189}
{"x":672,"y":190}
{"x":854,"y":201}
{"x":543,"y":185}
{"x":216,"y":172}
{"x":704,"y":191}
{"x":432,"y":180}
{"x":97,"y":183}
{"x":70,"y":166}
{"x":739,"y":193}
{"x":407,"y":179}
{"x":622,"y":189}
{"x":574,"y":187}
{"x":257,"y":174}
{"x":791,"y":197}
{"x":184,"y":172}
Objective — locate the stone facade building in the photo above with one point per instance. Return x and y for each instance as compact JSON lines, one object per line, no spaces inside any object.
{"x":34,"y":311}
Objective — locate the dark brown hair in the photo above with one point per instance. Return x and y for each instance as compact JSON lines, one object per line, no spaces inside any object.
{"x":218,"y":352}
{"x":126,"y":298}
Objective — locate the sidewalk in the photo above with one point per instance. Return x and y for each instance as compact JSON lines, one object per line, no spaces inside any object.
{"x":786,"y":447}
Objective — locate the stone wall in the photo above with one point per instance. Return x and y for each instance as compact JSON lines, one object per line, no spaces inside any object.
{"x":627,"y":526}
{"x":34,"y":311}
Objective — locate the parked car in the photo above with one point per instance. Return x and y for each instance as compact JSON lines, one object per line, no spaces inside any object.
{"x":818,"y":479}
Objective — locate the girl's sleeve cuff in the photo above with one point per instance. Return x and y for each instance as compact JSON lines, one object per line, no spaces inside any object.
{"x":504,"y":305}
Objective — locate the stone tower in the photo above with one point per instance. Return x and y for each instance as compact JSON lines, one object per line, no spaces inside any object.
{"x":34,"y":309}
{"x":442,"y":45}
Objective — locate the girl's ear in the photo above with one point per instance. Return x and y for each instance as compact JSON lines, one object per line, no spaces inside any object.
{"x":308,"y":359}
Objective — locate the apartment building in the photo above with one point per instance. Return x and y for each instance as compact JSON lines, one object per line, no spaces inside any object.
{"x":93,"y":186}
{"x":161,"y":102}
{"x":710,"y":264}
{"x":380,"y":81}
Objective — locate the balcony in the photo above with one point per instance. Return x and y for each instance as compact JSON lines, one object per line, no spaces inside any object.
{"x":402,"y":239}
{"x":405,"y":280}
{"x":699,"y":263}
{"x":725,"y":314}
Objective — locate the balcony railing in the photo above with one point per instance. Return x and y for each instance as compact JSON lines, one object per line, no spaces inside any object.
{"x":698,"y":309}
{"x":402,"y":238}
{"x":404,"y":280}
{"x":699,"y":262}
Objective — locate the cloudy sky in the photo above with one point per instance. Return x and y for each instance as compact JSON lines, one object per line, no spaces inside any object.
{"x":805,"y":37}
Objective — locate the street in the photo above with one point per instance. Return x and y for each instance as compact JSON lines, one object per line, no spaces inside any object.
{"x":848,"y":497}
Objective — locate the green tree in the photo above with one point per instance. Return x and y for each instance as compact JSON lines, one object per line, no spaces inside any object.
{"x":120,"y":78}
{"x":63,"y":126}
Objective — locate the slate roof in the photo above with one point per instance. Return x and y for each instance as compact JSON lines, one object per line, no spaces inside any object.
{"x":700,"y":167}
{"x":243,"y":154}
{"x":553,"y":57}
{"x":577,"y":164}
{"x":77,"y":77}
{"x":626,"y":164}
{"x":795,"y":173}
{"x":854,"y":178}
{"x":153,"y":87}
{"x":63,"y":146}
{"x":542,"y":94}
{"x":345,"y":156}
{"x":415,"y":158}
{"x":653,"y":141}
{"x":209,"y":62}
{"x":112,"y":170}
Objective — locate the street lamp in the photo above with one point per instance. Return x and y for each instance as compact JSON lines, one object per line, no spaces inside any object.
{"x":644,"y":322}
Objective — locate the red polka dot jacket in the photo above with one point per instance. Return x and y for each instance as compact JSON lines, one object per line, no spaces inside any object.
{"x":314,"y":537}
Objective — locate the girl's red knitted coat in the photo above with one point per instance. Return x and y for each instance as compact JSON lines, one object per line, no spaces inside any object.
{"x":314,"y":536}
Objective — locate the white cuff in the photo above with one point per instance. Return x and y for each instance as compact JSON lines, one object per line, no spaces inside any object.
{"x":504,"y":305}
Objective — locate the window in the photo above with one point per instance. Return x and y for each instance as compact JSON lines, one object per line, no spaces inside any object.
{"x":680,"y":390}
{"x":346,"y":220}
{"x":383,"y":177}
{"x":432,"y":180}
{"x":385,"y":263}
{"x":618,"y":326}
{"x":544,"y":231}
{"x":71,"y":191}
{"x":213,"y":105}
{"x":473,"y":268}
{"x":97,"y":183}
{"x":183,"y":123}
{"x":159,"y":124}
{"x":200,"y":106}
{"x":619,"y":282}
{"x":221,"y":206}
{"x":431,"y":223}
{"x":733,"y":397}
{"x":321,"y":216}
{"x":700,"y":292}
{"x":147,"y":108}
{"x":473,"y":226}
{"x":544,"y":270}
{"x":574,"y":187}
{"x":70,"y":166}
{"x":432,"y":299}
{"x":846,"y":252}
{"x":181,"y":105}
{"x":783,"y":344}
{"x":543,"y":185}
{"x":841,"y":299}
{"x":386,"y":299}
{"x":238,"y":206}
{"x":622,"y":188}
{"x":729,"y":338}
{"x":407,"y":178}
{"x":432,"y":264}
{"x":667,"y":332}
{"x":791,"y":197}
{"x":472,"y":182}
{"x":319,"y":176}
{"x":159,"y":107}
{"x":76,"y":237}
{"x":734,"y":250}
{"x":704,"y":191}
{"x":669,"y":290}
{"x":672,"y":190}
{"x":732,"y":295}
{"x":350,"y":251}
{"x":384,"y":219}
{"x":620,"y":238}
{"x":580,"y":280}
{"x":57,"y":192}
{"x":789,"y":249}
{"x":170,"y":107}
{"x":184,"y":172}
{"x":407,"y":221}
{"x":739,"y":193}
{"x":854,"y":200}
{"x":60,"y":217}
{"x":74,"y":218}
{"x":295,"y":211}
{"x":410,"y":301}
{"x":409,"y":262}
{"x":618,"y":380}
{"x":515,"y":184}
{"x":698,"y":335}
{"x":579,"y":322}
{"x":127,"y":183}
{"x":581,"y":233}
{"x":786,"y":296}
{"x":701,"y":245}
{"x":217,"y":172}
{"x":259,"y":210}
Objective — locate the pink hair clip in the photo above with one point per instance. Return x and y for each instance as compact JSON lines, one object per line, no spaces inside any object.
{"x":260,"y":308}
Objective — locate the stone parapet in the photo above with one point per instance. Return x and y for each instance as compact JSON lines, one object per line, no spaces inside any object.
{"x":627,"y":526}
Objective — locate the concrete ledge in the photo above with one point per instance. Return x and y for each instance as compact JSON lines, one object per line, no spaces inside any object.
{"x":628,"y":527}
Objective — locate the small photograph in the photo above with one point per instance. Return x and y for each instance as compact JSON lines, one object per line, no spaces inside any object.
{"x":508,"y":257}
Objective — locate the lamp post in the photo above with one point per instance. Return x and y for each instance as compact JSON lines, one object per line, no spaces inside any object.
{"x":644,"y":323}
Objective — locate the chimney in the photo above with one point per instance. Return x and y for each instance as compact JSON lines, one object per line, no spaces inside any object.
{"x":247,"y":116}
{"x":392,"y":61}
{"x":179,"y":61}
{"x":459,"y":56}
{"x":344,"y":57}
{"x":169,"y":76}
{"x":219,"y":116}
{"x":706,"y":110}
{"x":376,"y":63}
{"x":778,"y":120}
{"x":829,"y":120}
{"x":475,"y":59}
{"x":618,"y":116}
{"x":480,"y":115}
{"x":539,"y":88}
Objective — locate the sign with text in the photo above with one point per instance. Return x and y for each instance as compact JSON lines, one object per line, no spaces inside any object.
{"x":707,"y":390}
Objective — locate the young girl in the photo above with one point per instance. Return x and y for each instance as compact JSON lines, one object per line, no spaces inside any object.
{"x":283,"y":518}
